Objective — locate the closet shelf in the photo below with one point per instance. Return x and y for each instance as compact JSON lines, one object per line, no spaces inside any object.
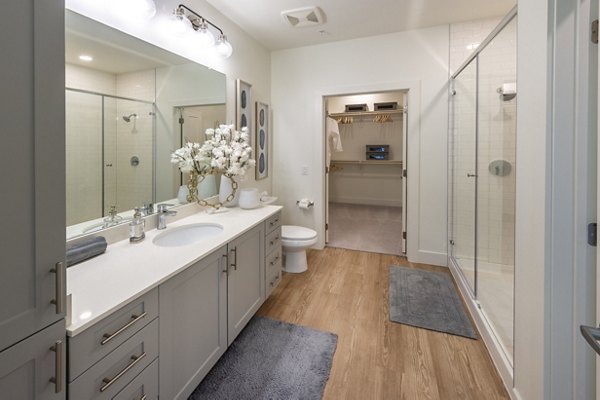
{"x":368,"y":162}
{"x":366,"y":113}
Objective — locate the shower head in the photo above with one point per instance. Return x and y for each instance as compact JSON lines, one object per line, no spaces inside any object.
{"x":127,"y":118}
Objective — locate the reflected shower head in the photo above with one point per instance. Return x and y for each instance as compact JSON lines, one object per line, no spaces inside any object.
{"x":127,"y":118}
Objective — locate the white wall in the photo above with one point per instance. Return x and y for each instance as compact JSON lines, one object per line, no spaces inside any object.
{"x":554,"y":268}
{"x":250,"y":61}
{"x":300,"y":79}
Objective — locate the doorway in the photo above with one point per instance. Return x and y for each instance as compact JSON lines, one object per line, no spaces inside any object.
{"x":365,"y":189}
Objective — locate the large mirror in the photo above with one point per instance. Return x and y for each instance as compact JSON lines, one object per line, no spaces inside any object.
{"x":129,"y":104}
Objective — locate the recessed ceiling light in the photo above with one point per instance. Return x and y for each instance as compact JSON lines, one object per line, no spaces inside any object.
{"x":85,"y":57}
{"x":472,"y":46}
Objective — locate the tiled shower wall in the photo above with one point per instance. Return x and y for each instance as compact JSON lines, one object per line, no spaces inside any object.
{"x":135,"y":139}
{"x":84,"y":141}
{"x":496,"y":141}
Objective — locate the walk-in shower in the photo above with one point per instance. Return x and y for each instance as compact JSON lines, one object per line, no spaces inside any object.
{"x":482,"y":160}
{"x":109,"y":164}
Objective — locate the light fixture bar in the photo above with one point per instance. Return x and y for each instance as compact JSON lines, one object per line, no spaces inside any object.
{"x":194,"y":22}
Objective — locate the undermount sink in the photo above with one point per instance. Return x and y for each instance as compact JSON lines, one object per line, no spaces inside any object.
{"x":187,"y":234}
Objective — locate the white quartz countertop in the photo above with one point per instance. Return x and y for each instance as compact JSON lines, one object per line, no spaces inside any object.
{"x":105,"y":283}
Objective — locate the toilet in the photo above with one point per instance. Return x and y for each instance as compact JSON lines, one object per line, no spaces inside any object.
{"x":295,"y":240}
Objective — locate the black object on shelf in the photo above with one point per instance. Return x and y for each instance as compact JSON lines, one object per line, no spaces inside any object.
{"x":381,"y":148}
{"x":387,"y":106}
{"x":356,"y":107}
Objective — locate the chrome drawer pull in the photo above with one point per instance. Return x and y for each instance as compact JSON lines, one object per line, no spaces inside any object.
{"x":134,"y":360}
{"x":143,"y":397}
{"x":274,"y":240}
{"x":110,"y":336}
{"x":61,"y":274}
{"x":274,"y":261}
{"x":226,"y":270}
{"x":274,"y":222}
{"x":58,"y":363}
{"x":234,"y":264}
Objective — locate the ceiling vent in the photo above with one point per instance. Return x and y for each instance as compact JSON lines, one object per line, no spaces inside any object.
{"x":304,"y":17}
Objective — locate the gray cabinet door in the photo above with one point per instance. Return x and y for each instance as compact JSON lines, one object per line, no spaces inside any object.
{"x":27,"y":368}
{"x":193,"y":327}
{"x":246,"y":279}
{"x":32,"y":161}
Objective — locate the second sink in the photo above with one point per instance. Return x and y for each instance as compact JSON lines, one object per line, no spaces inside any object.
{"x":187,"y":234}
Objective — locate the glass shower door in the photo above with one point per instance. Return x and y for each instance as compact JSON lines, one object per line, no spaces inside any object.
{"x":464,"y":103}
{"x":497,"y":103}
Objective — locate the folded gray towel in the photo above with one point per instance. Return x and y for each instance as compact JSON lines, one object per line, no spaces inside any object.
{"x":85,"y":249}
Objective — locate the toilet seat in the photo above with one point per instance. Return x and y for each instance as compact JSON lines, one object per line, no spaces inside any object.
{"x":293,"y":236}
{"x":295,"y":240}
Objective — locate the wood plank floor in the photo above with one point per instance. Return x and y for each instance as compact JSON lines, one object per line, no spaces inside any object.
{"x":346,"y":292}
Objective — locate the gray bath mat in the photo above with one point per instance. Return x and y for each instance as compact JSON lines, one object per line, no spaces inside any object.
{"x":428,"y":300}
{"x":271,"y":360}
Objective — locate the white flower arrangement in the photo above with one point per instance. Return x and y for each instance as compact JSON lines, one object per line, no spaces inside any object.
{"x":225,"y":151}
{"x":188,"y":159}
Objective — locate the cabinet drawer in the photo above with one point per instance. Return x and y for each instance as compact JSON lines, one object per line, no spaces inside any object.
{"x":273,"y":240}
{"x":145,"y":384}
{"x":274,"y":272}
{"x":273,"y":262}
{"x":86,"y":348}
{"x":273,"y":222}
{"x":273,"y":280}
{"x":111,"y":374}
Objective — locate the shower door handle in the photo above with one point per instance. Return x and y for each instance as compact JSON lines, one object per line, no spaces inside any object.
{"x":592,"y":336}
{"x":471,"y":175}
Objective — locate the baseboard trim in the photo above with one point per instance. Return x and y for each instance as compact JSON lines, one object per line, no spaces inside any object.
{"x":429,"y":257}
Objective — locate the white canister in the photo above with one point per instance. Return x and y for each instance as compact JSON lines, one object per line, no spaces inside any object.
{"x":249,"y":198}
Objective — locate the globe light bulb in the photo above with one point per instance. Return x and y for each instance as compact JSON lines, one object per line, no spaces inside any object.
{"x":179,"y":24}
{"x":224,"y":47}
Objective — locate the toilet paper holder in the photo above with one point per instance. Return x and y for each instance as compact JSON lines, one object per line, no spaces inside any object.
{"x":304,"y":203}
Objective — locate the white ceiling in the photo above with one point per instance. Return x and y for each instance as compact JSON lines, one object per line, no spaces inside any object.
{"x":350,"y":19}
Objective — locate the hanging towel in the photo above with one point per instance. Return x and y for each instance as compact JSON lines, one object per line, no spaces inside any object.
{"x":334,"y":141}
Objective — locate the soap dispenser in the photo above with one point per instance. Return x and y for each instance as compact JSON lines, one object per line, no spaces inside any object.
{"x":136,"y":227}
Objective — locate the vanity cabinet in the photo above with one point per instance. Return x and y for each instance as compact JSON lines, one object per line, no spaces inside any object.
{"x":204,"y":308}
{"x":193,"y":324}
{"x":113,"y":354}
{"x":245,"y":280}
{"x":273,"y":251}
{"x":33,"y":369}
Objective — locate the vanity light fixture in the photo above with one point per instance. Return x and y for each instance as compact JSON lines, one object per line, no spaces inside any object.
{"x":185,"y":16}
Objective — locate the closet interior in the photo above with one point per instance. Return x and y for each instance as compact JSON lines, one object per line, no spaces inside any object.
{"x":365,"y":163}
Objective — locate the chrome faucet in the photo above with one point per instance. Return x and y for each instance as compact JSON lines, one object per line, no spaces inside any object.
{"x":163,"y":213}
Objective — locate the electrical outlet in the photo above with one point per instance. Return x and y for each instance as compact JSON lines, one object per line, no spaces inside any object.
{"x":304,"y":170}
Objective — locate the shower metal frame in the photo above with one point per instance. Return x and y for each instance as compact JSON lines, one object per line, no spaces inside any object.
{"x":153,"y":104}
{"x":474,"y":57}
